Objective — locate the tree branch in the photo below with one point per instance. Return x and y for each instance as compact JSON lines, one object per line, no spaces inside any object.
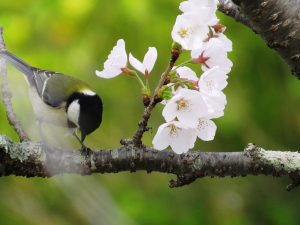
{"x":26,"y":159}
{"x":230,"y":9}
{"x":11,"y":116}
{"x":277,"y":22}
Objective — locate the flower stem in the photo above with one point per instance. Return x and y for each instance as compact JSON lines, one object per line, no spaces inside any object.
{"x":135,"y":75}
{"x":179,"y":82}
{"x":183,"y":64}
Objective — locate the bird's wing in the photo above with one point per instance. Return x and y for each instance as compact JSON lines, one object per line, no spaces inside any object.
{"x":46,"y":89}
{"x":40,"y":79}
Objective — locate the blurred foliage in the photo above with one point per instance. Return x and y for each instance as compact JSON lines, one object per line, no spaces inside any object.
{"x":74,"y":37}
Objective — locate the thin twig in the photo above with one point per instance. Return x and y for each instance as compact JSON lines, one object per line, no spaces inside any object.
{"x":137,"y":138}
{"x":11,"y":116}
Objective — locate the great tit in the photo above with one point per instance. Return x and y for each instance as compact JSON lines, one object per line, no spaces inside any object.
{"x":60,"y":100}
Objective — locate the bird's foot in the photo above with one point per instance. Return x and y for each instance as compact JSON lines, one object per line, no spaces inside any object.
{"x":85,"y":151}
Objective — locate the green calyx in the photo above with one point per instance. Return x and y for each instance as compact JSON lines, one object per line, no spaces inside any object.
{"x":176,"y":47}
{"x":165,"y":92}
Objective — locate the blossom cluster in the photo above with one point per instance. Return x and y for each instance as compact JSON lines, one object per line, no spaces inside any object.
{"x":191,"y":102}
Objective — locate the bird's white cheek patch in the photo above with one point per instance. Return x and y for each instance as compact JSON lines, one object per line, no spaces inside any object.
{"x":73,"y":112}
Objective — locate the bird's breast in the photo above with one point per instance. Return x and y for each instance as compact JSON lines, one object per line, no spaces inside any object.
{"x":45,"y":113}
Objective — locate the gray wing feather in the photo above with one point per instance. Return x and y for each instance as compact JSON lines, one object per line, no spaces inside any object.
{"x":50,"y":86}
{"x":22,"y":66}
{"x":40,"y":79}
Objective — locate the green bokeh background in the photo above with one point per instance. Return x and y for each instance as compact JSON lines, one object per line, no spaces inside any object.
{"x":74,"y":37}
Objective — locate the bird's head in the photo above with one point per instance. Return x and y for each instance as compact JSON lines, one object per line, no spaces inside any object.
{"x":84,"y":111}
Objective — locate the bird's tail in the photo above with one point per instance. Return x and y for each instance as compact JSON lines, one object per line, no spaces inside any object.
{"x":19,"y":64}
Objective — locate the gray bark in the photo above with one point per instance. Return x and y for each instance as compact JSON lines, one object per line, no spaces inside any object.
{"x":277,"y":22}
{"x":27,"y":159}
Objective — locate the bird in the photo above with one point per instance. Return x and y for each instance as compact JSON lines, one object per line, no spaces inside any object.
{"x":60,"y":100}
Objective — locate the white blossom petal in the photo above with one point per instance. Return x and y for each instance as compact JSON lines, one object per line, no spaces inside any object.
{"x":223,"y":38}
{"x":117,"y":60}
{"x":169,"y":112}
{"x":217,"y":102}
{"x":206,"y":129}
{"x":206,"y":8}
{"x":150,"y":59}
{"x":160,"y":140}
{"x":136,"y":63}
{"x":187,"y":73}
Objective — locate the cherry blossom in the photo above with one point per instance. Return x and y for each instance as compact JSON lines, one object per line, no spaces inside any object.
{"x":213,"y":81}
{"x":211,"y":84}
{"x":187,"y":105}
{"x":212,"y":54}
{"x":175,"y":134}
{"x":117,"y":60}
{"x":148,"y":62}
{"x":190,"y":31}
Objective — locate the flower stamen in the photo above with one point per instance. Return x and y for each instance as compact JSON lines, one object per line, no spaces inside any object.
{"x":173,"y":132}
{"x":210,"y":85}
{"x":185,"y":31}
{"x":183,"y":105}
{"x":202,"y":124}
